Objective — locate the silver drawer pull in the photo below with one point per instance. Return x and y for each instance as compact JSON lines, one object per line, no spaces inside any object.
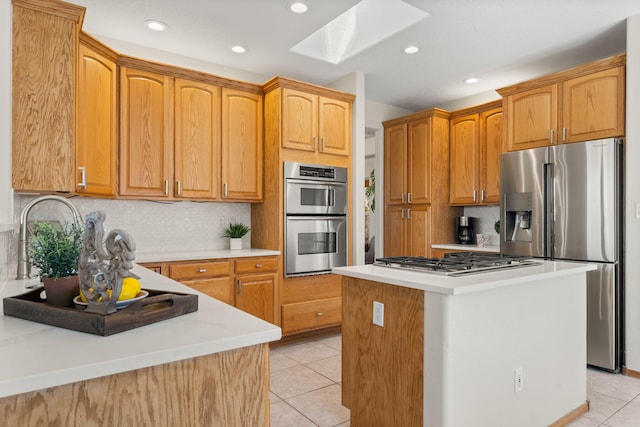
{"x":202,"y":270}
{"x":319,"y":313}
{"x":258,"y":265}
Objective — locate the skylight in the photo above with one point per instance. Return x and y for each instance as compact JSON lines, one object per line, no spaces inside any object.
{"x":364,"y":25}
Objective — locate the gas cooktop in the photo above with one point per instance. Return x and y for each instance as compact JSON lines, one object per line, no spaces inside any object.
{"x":457,"y":263}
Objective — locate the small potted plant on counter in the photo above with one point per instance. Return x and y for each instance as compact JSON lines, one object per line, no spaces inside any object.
{"x":55,"y":251}
{"x":235,"y":232}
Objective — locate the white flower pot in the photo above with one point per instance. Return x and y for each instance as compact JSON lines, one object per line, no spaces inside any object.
{"x":235,"y":243}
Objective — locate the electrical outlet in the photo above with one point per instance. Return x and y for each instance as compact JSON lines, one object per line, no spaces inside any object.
{"x":221,"y":221}
{"x":378,"y":313}
{"x":518,"y":381}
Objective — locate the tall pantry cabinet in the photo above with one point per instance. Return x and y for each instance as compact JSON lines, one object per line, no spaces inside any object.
{"x":416,"y":174}
{"x":308,"y":124}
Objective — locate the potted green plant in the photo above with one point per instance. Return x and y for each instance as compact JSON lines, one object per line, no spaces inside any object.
{"x":235,"y":232}
{"x":55,"y":251}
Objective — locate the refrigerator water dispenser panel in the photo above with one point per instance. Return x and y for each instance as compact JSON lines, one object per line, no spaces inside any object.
{"x":518,"y":210}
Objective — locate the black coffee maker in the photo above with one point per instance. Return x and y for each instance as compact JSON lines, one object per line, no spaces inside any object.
{"x":465,"y":231}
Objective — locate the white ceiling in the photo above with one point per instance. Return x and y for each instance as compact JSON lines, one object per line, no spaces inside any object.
{"x":502,"y":42}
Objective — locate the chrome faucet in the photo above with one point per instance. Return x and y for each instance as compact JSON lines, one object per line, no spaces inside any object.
{"x":24,"y":266}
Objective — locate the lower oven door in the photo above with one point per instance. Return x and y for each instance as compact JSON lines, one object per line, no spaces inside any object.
{"x":314,"y":244}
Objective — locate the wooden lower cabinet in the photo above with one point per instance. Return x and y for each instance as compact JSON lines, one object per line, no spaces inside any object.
{"x":311,"y":302}
{"x":254,"y":294}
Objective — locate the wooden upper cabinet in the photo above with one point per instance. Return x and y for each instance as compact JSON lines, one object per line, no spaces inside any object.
{"x":146,"y":133}
{"x":418,"y":161}
{"x":96,"y":145}
{"x":476,"y":141}
{"x":593,"y":106}
{"x":395,"y":164}
{"x":580,"y":104}
{"x":242,"y":145}
{"x":43,"y":92}
{"x":299,"y":120}
{"x":197,"y":140}
{"x":315,"y":123}
{"x":532,"y":118}
{"x":491,"y":140}
{"x":334,"y":126}
{"x":465,"y":153}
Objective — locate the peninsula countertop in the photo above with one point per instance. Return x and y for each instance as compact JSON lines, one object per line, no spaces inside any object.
{"x":35,"y":356}
{"x":457,"y":285}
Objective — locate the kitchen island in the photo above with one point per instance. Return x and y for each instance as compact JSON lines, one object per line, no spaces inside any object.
{"x":209,"y":367}
{"x":499,"y":348}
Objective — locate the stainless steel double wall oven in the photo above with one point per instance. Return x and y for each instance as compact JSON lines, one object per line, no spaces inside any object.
{"x":315,"y":201}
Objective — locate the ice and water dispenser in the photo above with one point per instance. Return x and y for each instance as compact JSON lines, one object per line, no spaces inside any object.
{"x":518,"y":208}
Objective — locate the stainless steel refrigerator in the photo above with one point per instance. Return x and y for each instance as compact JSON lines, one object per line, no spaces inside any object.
{"x":564,"y":202}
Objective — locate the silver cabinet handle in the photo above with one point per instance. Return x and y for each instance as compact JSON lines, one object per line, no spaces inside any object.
{"x":83,"y":174}
{"x":179,"y":187}
{"x":408,"y":213}
{"x":239,"y":287}
{"x":324,"y":145}
{"x":258,"y":265}
{"x":319,"y":313}
{"x":551,"y":134}
{"x":166,"y":187}
{"x":402,"y":196}
{"x":482,"y":196}
{"x":225,"y":189}
{"x":564,"y":134}
{"x":202,"y":270}
{"x":315,"y":143}
{"x":402,"y":213}
{"x":474,"y":196}
{"x":408,"y":197}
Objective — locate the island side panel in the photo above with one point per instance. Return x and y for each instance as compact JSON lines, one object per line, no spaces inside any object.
{"x":225,"y":389}
{"x":382,"y":367}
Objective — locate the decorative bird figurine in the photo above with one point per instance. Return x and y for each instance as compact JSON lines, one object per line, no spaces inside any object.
{"x":101,"y":271}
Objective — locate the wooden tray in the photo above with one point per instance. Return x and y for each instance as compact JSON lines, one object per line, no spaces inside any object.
{"x":158,"y":306}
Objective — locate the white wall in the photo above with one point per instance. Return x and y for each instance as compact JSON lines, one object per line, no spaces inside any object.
{"x":632,"y":143}
{"x":6,"y":209}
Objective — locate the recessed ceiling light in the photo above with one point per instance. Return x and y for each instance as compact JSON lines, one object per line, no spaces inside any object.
{"x":471,"y":80}
{"x":155,"y":25}
{"x":410,"y":50}
{"x":298,"y":7}
{"x":238,"y":49}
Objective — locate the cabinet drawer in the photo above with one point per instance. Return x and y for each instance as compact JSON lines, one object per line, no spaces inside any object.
{"x":307,"y":288}
{"x":219,"y":288}
{"x":256,"y":265}
{"x":199,"y":270}
{"x":302,"y":316}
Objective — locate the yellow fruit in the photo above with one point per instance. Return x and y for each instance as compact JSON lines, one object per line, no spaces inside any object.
{"x":130,"y":288}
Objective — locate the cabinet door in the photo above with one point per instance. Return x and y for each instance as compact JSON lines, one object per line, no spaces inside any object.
{"x":418,"y":234}
{"x":146,"y":133}
{"x":242,"y":145}
{"x":593,"y":106}
{"x":197,"y":140}
{"x":220,"y":288}
{"x":395,"y":164}
{"x":44,"y":63}
{"x":464,"y":149}
{"x":96,"y":138}
{"x":394,"y":231}
{"x":491,"y":138}
{"x":299,"y":120}
{"x":334,"y":121}
{"x":254,"y":295}
{"x":419,"y":162}
{"x":532,"y":118}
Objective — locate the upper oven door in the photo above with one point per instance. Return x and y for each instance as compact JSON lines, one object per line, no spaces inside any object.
{"x":316,"y":198}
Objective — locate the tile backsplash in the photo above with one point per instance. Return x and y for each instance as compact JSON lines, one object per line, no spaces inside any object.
{"x":154,"y":226}
{"x":486,"y":216}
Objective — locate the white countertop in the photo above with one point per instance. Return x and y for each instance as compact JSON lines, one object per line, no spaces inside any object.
{"x":467,"y":248}
{"x":468,"y":283}
{"x":197,"y":255}
{"x":35,"y":356}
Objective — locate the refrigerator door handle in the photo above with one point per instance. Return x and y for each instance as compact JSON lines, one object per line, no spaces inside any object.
{"x":547,"y":211}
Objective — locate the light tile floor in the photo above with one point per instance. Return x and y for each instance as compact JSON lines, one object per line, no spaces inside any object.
{"x":306,"y":389}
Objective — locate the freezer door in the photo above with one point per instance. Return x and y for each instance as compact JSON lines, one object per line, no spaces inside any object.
{"x":603,"y":323}
{"x":586,"y":199}
{"x":522,"y":216}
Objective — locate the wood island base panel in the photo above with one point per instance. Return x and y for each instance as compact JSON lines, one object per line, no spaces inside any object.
{"x":230,"y":388}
